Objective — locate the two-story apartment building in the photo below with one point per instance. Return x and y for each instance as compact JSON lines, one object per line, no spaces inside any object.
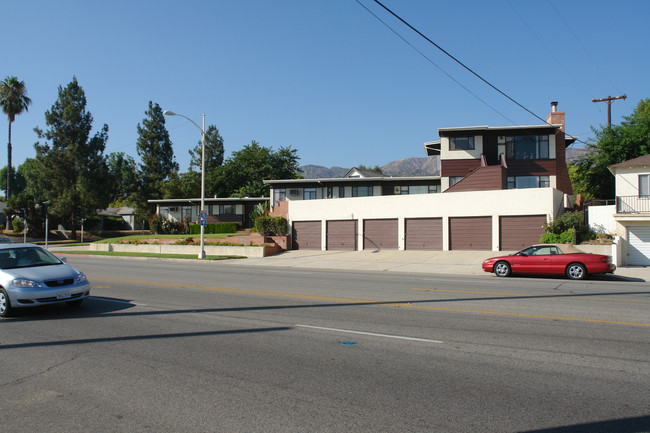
{"x":499,"y":186}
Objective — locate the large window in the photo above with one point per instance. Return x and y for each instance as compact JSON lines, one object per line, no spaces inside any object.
{"x":417,"y":189}
{"x":227,"y":209}
{"x":361,"y":191}
{"x":527,"y":147}
{"x":186,"y":212}
{"x":521,"y":182}
{"x":309,"y":194}
{"x":341,"y":191}
{"x":644,"y":185}
{"x":461,"y":143}
{"x":279,"y":194}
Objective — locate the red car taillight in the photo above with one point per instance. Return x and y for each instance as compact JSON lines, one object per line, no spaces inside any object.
{"x":606,"y":259}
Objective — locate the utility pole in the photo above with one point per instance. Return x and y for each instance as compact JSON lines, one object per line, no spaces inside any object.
{"x":609,"y":100}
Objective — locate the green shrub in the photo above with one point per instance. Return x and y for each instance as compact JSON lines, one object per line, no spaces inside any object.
{"x":270,"y":226}
{"x":215,"y":228}
{"x":17,"y":225}
{"x":565,"y":237}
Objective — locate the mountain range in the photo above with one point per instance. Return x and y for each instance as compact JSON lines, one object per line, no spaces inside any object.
{"x":416,"y":166}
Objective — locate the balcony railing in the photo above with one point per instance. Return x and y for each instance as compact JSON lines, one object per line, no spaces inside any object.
{"x":633,"y":204}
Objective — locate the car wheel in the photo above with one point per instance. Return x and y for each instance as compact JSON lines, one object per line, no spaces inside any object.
{"x":5,"y":304}
{"x":576,"y":271}
{"x":502,"y":269}
{"x":75,"y":303}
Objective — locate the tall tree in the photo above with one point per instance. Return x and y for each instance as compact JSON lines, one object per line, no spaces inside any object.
{"x":124,"y":177}
{"x":156,"y":153}
{"x":213,"y":158}
{"x":14,"y":100}
{"x":73,"y":172}
{"x":613,"y":144}
{"x":242,"y":175}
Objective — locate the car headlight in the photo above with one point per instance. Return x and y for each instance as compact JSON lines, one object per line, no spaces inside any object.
{"x":80,"y":277}
{"x":21,"y":282}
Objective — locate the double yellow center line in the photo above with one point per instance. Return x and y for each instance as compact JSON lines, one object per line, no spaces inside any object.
{"x":402,"y":305}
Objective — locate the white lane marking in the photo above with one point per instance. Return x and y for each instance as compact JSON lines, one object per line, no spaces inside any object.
{"x":399,"y":337}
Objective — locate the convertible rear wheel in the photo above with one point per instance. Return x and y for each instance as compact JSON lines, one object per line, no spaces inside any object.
{"x":5,"y":304}
{"x":576,"y":271}
{"x":502,"y":269}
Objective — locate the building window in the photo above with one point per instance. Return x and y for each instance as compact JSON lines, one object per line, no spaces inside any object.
{"x":404,"y":189}
{"x":330,"y":192}
{"x":227,"y":209}
{"x":434,"y":189}
{"x":361,"y":191}
{"x":186,"y":212}
{"x":644,"y":185}
{"x":309,"y":194}
{"x":453,"y":180}
{"x":461,"y":143}
{"x":521,"y":182}
{"x":527,"y":147}
{"x":279,"y":195}
{"x":341,"y":191}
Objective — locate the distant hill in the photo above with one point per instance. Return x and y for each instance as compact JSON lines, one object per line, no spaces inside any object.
{"x":425,"y":166}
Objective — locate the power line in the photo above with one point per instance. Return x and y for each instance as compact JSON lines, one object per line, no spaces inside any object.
{"x":433,"y":63}
{"x":456,"y":60}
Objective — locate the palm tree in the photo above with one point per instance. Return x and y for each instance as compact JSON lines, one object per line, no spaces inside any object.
{"x":13,"y":100}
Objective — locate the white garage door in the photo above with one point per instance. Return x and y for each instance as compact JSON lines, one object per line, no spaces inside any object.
{"x":638,"y":252}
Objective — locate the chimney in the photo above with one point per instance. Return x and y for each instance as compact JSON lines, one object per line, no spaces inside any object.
{"x":556,"y":117}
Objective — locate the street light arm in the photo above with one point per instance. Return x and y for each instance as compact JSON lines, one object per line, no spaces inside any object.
{"x":171,"y":113}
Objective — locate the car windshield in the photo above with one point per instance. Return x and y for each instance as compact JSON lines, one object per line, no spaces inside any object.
{"x":25,"y":257}
{"x":540,"y":250}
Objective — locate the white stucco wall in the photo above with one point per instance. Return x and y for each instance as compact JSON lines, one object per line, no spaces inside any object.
{"x":446,"y":154}
{"x":601,"y":219}
{"x":542,"y":201}
{"x":627,"y":180}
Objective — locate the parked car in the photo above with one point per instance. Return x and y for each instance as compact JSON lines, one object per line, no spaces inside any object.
{"x":31,"y":276}
{"x":555,"y":259}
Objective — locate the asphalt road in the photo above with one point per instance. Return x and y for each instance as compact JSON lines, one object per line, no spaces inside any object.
{"x":173,"y":346}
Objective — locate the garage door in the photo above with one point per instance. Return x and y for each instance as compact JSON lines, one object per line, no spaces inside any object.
{"x":423,"y":234}
{"x":380,"y":234}
{"x":470,"y":233}
{"x":638,"y":250}
{"x":342,"y":235}
{"x":306,"y":235}
{"x":518,"y":232}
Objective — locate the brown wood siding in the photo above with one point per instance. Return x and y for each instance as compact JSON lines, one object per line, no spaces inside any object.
{"x":423,"y":234}
{"x":458,"y":167}
{"x":481,"y":179}
{"x":306,"y":235}
{"x":563,"y":181}
{"x":534,"y":167}
{"x":470,"y":233}
{"x":380,"y":234}
{"x":518,"y":232}
{"x":342,"y":235}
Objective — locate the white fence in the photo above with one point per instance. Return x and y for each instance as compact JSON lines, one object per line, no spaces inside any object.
{"x":601,"y":219}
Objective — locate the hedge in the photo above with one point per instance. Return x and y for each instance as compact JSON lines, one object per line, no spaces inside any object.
{"x":215,"y":228}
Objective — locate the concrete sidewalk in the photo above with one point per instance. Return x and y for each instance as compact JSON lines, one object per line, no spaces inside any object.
{"x":430,"y":262}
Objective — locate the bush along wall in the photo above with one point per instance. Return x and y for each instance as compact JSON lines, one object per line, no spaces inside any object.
{"x":215,"y":228}
{"x":271,"y":226}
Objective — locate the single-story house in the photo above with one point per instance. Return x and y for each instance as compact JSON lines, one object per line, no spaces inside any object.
{"x":233,"y":209}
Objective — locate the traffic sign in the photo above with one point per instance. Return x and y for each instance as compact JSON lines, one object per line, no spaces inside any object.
{"x":203,"y":214}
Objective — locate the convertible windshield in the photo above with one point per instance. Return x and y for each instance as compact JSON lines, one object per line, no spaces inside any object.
{"x":25,"y":257}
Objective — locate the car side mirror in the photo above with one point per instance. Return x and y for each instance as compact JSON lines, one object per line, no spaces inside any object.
{"x":63,"y":259}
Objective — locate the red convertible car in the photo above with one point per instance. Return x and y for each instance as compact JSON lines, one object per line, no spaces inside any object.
{"x":555,"y":259}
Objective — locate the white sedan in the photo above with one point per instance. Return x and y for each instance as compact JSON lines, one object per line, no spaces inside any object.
{"x":31,"y":276}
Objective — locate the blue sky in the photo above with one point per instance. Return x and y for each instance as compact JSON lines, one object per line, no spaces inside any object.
{"x":324,"y":76}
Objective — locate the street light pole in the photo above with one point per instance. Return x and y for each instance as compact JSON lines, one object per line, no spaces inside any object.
{"x":202,"y":129}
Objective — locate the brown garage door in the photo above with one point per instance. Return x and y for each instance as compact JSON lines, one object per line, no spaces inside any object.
{"x":380,"y":234}
{"x":517,"y":232}
{"x":470,"y":233}
{"x":423,"y":234}
{"x":342,"y":235}
{"x":306,"y":235}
